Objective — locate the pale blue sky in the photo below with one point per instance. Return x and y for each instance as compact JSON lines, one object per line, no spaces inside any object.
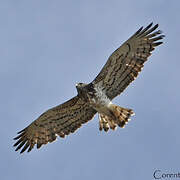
{"x":49,"y":46}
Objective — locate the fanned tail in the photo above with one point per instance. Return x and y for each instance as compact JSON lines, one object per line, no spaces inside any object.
{"x":121,"y":117}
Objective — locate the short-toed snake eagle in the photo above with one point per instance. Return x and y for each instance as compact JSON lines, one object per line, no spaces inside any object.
{"x":122,"y":67}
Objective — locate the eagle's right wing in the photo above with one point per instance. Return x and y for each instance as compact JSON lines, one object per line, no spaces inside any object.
{"x":124,"y":65}
{"x":60,"y":120}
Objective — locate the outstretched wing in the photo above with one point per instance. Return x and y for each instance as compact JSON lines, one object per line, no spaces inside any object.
{"x":127,"y":61}
{"x":61,"y":120}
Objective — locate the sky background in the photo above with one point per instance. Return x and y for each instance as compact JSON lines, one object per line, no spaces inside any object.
{"x":47,"y":47}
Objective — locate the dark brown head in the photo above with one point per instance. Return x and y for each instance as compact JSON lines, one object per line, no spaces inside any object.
{"x":81,"y":88}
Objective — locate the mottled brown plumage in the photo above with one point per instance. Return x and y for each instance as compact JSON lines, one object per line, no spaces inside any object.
{"x":127,"y":61}
{"x":61,"y":120}
{"x":120,"y":70}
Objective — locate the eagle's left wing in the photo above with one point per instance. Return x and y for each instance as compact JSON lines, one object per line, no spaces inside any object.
{"x":126,"y":62}
{"x":61,"y":120}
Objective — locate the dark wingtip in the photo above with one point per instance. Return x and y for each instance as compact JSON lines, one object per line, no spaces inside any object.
{"x":157,"y":44}
{"x":148,"y":30}
{"x":19,"y":136}
{"x":16,"y":138}
{"x":20,"y":145}
{"x":17,"y":148}
{"x":145,"y":29}
{"x":25,"y":147}
{"x":30,"y":148}
{"x":139,"y":30}
{"x":161,"y":37}
{"x":21,"y":131}
{"x":155,"y":27}
{"x":149,"y":25}
{"x":15,"y":144}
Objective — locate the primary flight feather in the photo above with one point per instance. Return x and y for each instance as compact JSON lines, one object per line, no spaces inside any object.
{"x":122,"y":67}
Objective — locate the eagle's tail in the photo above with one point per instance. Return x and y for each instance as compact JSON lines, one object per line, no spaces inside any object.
{"x":121,"y":116}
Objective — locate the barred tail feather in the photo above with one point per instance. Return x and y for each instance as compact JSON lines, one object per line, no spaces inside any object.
{"x":121,"y":116}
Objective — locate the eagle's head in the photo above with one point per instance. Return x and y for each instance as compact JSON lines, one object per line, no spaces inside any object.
{"x":85,"y":89}
{"x":81,"y":88}
{"x":80,"y":85}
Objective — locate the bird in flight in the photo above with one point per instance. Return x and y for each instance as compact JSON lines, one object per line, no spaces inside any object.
{"x":121,"y":68}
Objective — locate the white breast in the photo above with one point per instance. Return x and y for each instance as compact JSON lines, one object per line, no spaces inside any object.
{"x":100,"y":101}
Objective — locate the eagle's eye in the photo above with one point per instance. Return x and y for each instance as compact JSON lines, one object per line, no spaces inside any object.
{"x":79,"y":84}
